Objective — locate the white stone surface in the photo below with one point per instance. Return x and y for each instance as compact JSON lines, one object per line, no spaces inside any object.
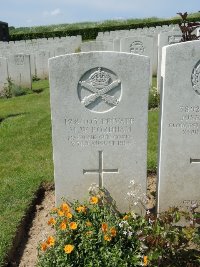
{"x":3,"y":73}
{"x":105,"y":133}
{"x":96,"y":46}
{"x":41,"y":64}
{"x":141,"y":45}
{"x":19,"y":70}
{"x":165,"y":38}
{"x":179,"y":152}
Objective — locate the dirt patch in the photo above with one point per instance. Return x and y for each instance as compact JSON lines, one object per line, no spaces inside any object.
{"x":39,"y":229}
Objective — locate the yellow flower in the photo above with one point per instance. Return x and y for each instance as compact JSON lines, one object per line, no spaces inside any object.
{"x":88,"y":223}
{"x":52,"y":221}
{"x":104,"y":227}
{"x":145,"y":260}
{"x":94,"y":200}
{"x":113,"y":232}
{"x":44,"y":246}
{"x":68,"y":215}
{"x":81,"y":209}
{"x":107,"y":238}
{"x":63,"y":226}
{"x":68,"y":248}
{"x":125,"y":217}
{"x":73,"y":225}
{"x":50,"y":241}
{"x":65,"y":207}
{"x":60,"y":213}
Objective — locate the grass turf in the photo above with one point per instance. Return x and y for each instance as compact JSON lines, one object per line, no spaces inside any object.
{"x":26,"y":156}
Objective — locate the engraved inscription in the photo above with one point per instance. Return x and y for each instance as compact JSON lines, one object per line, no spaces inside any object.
{"x":101,"y":170}
{"x":19,"y":59}
{"x":99,"y":90}
{"x":137,"y":47}
{"x":189,"y":122}
{"x":96,"y":131}
{"x":195,"y":79}
{"x":174,"y":39}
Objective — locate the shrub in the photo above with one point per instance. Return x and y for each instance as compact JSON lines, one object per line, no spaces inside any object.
{"x":95,"y":233}
{"x":154,"y":98}
{"x":12,"y":90}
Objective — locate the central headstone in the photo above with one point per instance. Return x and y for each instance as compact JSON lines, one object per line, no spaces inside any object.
{"x":99,"y":110}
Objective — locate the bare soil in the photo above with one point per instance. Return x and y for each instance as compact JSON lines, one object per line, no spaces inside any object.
{"x":39,"y":229}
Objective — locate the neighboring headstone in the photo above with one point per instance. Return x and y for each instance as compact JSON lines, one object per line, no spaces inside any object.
{"x":41,"y":64}
{"x":19,"y":70}
{"x":96,"y":46}
{"x":3,"y":74}
{"x":179,"y":152}
{"x":141,"y":45}
{"x":165,"y":38}
{"x":99,"y":105}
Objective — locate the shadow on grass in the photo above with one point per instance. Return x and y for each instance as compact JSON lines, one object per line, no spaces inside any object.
{"x":2,"y":119}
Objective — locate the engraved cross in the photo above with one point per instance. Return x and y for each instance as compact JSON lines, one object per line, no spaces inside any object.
{"x":194,"y":160}
{"x":101,"y":170}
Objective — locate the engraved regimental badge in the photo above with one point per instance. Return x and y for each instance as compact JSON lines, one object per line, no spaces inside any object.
{"x":99,"y":90}
{"x":19,"y":59}
{"x":196,"y":78}
{"x":137,"y":47}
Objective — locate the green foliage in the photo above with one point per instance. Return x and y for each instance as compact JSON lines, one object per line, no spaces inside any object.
{"x":154,"y":98}
{"x":88,"y":30}
{"x":96,"y":234}
{"x":12,"y":90}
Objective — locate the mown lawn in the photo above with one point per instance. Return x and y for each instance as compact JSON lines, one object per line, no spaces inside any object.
{"x":26,"y":156}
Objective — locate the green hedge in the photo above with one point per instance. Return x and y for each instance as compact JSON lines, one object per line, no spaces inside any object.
{"x":91,"y":33}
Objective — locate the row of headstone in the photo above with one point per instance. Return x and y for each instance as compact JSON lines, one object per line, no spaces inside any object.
{"x":23,"y":60}
{"x":99,"y":122}
{"x":144,"y":42}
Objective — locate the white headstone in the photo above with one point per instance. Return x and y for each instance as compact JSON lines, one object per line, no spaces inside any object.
{"x":96,"y":46}
{"x":41,"y":64}
{"x":141,"y":45}
{"x":179,"y":153}
{"x":3,"y":73}
{"x":99,"y":111}
{"x":165,"y":38}
{"x":19,"y":70}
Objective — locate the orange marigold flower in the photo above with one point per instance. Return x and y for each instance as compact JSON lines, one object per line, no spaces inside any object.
{"x":107,"y":238}
{"x":60,"y":213}
{"x":63,"y":226}
{"x":81,"y":209}
{"x":73,"y":225}
{"x":113,"y":232}
{"x":65,"y":207}
{"x":44,"y":246}
{"x":88,"y":223}
{"x":50,"y":241}
{"x":52,"y":221}
{"x":68,"y":248}
{"x":94,"y":200}
{"x":125,"y":217}
{"x":104,"y":227}
{"x":145,"y":259}
{"x":68,"y":215}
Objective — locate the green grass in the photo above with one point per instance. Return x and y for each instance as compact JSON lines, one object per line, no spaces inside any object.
{"x":26,"y":155}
